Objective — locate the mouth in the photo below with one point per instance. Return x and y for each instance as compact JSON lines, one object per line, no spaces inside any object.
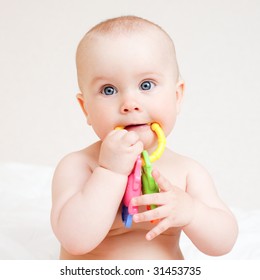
{"x":137,"y":126}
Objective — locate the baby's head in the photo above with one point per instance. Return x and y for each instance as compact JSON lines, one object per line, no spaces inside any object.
{"x":127,"y":75}
{"x":126,"y":26}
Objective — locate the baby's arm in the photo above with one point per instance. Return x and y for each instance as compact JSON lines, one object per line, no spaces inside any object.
{"x":85,"y":203}
{"x":213,"y":228}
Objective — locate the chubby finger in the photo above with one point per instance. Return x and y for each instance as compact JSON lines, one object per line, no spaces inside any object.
{"x":162,"y":182}
{"x":117,"y":133}
{"x":138,"y":146}
{"x":130,"y":138}
{"x":148,"y":199}
{"x":151,"y":215}
{"x":162,"y":226}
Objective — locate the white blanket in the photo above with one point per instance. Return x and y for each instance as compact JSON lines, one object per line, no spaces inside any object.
{"x":25,"y":231}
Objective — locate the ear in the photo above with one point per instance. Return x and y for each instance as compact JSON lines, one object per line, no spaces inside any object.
{"x":179,"y":95}
{"x":81,"y":101}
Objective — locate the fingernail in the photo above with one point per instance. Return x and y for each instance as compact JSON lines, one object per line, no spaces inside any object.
{"x":149,"y":236}
{"x":133,"y":201}
{"x":135,"y":218}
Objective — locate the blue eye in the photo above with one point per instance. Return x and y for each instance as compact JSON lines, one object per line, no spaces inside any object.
{"x":147,"y":85}
{"x":108,"y":90}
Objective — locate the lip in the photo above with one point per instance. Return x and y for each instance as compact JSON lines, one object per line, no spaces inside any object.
{"x":137,"y":127}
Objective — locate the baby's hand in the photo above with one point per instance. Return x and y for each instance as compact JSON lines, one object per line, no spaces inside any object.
{"x":119,"y":151}
{"x":175,"y":207}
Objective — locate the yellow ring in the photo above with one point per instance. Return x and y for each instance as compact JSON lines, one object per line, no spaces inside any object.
{"x":161,"y":142}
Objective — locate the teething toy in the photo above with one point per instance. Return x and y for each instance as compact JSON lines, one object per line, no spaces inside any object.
{"x":161,"y":142}
{"x":133,"y":189}
{"x":140,"y":179}
{"x":148,"y":183}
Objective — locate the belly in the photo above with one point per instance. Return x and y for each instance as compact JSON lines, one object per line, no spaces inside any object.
{"x":132,"y":245}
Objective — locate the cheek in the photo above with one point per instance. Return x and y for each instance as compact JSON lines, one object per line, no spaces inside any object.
{"x":168,"y":123}
{"x":165,"y":113}
{"x":101,"y":121}
{"x":99,"y":126}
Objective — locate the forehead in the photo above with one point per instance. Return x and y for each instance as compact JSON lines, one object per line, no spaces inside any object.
{"x":150,"y":45}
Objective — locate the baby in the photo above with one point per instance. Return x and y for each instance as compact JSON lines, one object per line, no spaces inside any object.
{"x":129,"y":77}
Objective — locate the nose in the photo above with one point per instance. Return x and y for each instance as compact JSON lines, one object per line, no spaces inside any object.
{"x":130,"y":105}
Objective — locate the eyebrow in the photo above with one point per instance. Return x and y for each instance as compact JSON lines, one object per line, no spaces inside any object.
{"x":99,"y":78}
{"x":151,"y":74}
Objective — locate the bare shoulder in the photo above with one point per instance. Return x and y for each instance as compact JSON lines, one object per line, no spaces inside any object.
{"x":74,"y":169}
{"x":198,"y":179}
{"x":199,"y":182}
{"x":85,"y":158}
{"x":188,"y":164}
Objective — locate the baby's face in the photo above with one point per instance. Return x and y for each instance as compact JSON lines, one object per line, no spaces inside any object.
{"x":130,"y":81}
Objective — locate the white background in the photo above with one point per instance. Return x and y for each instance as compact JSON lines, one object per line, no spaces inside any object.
{"x":217,"y":45}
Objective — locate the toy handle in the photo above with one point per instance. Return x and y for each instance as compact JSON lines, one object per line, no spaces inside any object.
{"x":133,"y":187}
